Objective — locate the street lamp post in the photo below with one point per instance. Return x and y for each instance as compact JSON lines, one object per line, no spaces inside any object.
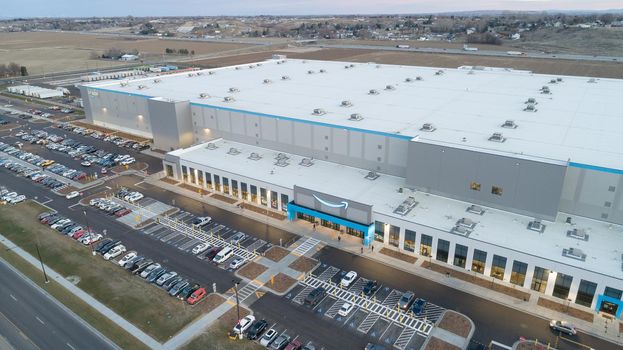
{"x":45,"y":275}
{"x":86,"y":218}
{"x":237,"y":303}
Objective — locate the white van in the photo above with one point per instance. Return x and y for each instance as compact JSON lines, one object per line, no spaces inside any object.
{"x":223,"y":255}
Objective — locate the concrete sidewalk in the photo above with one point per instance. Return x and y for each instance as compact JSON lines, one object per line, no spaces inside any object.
{"x":600,"y":327}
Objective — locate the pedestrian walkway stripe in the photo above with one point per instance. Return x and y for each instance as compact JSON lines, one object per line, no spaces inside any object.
{"x":404,"y":338}
{"x":305,"y":246}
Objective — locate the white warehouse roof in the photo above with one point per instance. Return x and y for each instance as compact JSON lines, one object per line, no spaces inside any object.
{"x":579,"y":120}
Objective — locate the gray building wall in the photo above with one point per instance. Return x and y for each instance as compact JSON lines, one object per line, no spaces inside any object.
{"x":356,"y":211}
{"x":170,"y":123}
{"x":593,"y":194}
{"x":125,"y":112}
{"x":358,"y":149}
{"x":86,"y":104}
{"x":528,"y":187}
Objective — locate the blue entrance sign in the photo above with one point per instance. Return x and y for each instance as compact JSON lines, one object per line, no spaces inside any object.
{"x":604,"y":298}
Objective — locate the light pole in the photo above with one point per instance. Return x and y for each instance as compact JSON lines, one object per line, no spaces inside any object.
{"x":86,"y":218}
{"x":237,"y":304}
{"x":45,"y":275}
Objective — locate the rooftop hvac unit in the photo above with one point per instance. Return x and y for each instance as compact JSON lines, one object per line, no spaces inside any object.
{"x":373,"y":92}
{"x":531,"y":100}
{"x":461,"y":231}
{"x":233,"y":89}
{"x":258,"y":64}
{"x":428,"y":127}
{"x":238,"y":68}
{"x":211,"y":146}
{"x":419,"y":78}
{"x":267,"y":81}
{"x":281,"y":162}
{"x":439,"y":72}
{"x":319,"y":111}
{"x":141,"y":87}
{"x":378,"y":66}
{"x":545,"y":90}
{"x":559,"y":80}
{"x":254,"y":156}
{"x":355,"y":117}
{"x":372,"y":175}
{"x":123,"y":83}
{"x":346,"y":66}
{"x":390,"y":87}
{"x":351,"y":65}
{"x":282,"y":156}
{"x":346,"y":103}
{"x":467,"y":223}
{"x":408,"y":80}
{"x":278,"y":62}
{"x":304,"y":61}
{"x":203,"y":95}
{"x":199,"y":73}
{"x":406,"y":206}
{"x":156,"y":81}
{"x":322,"y":71}
{"x":233,"y":151}
{"x":228,"y":99}
{"x":497,"y":137}
{"x":592,"y":80}
{"x":307,"y":162}
{"x":536,"y":225}
{"x":285,"y":77}
{"x":574,"y":253}
{"x":475,"y":209}
{"x":509,"y":124}
{"x":211,"y":72}
{"x":251,"y":66}
{"x":578,"y":233}
{"x":530,"y":107}
{"x":310,"y":72}
{"x":471,"y":72}
{"x":553,"y":81}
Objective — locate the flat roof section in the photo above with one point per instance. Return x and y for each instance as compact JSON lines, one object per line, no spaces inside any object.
{"x":497,"y":227}
{"x":578,"y":120}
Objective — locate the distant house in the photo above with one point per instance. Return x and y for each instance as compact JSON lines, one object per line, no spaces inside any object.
{"x":515,"y":36}
{"x":128,"y":57}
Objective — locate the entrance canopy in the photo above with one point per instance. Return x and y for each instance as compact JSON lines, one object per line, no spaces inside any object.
{"x":617,"y":303}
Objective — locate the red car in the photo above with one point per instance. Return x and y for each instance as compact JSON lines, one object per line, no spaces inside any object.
{"x":123,"y":212}
{"x":78,"y":234}
{"x":196,"y":296}
{"x":294,"y":345}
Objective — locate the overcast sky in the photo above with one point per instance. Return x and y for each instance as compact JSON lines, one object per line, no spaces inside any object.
{"x":84,"y":8}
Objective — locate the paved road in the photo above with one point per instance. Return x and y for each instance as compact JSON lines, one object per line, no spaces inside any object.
{"x":42,"y":322}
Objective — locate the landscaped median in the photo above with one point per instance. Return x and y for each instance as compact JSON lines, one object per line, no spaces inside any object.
{"x":146,"y":306}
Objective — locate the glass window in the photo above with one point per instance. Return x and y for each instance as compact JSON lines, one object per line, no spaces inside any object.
{"x":496,"y":190}
{"x":169,"y":170}
{"x":562,"y":286}
{"x":234,"y":188}
{"x":518,"y":274}
{"x":263,"y":198}
{"x":443,"y":248}
{"x":474,"y":186}
{"x":184,"y":173}
{"x":244,"y":190}
{"x":306,"y":217}
{"x":426,"y":245}
{"x":613,"y":293}
{"x":479,"y":261}
{"x":354,"y":232}
{"x":379,"y":231}
{"x":253,"y":193}
{"x":274,"y":200}
{"x":409,"y":244}
{"x":460,"y":255}
{"x":209,"y":180}
{"x":539,"y":280}
{"x":394,"y":235}
{"x":498,"y":266}
{"x":225,"y":185}
{"x":193,"y":180}
{"x":284,"y":202}
{"x":200,"y":178}
{"x":217,"y":183}
{"x":586,"y":292}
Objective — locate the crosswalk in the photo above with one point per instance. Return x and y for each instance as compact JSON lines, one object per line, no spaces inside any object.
{"x":305,"y":246}
{"x":406,"y":320}
{"x":246,"y":291}
{"x":404,"y":338}
{"x":328,"y":273}
{"x":368,"y":322}
{"x":333,"y":310}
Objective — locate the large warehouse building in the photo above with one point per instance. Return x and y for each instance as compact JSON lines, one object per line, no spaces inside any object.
{"x":509,"y":174}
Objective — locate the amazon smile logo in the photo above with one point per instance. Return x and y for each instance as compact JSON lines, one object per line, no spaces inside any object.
{"x":343,"y":204}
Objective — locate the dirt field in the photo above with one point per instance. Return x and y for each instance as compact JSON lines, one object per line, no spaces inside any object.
{"x":546,"y":66}
{"x":54,"y":52}
{"x":456,"y":323}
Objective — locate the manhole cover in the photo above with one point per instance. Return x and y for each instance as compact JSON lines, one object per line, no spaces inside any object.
{"x":73,"y":279}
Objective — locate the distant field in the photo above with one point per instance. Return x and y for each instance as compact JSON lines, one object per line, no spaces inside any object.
{"x":546,"y":66}
{"x":594,"y":41}
{"x":44,"y":52}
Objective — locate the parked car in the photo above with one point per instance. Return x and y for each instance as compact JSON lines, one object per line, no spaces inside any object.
{"x":406,"y":300}
{"x":155,"y":274}
{"x":370,"y":287}
{"x":281,"y":342}
{"x":177,"y":288}
{"x":349,"y":278}
{"x":418,"y":306}
{"x":345,"y":309}
{"x":563,"y":326}
{"x":243,"y":324}
{"x":141,"y":266}
{"x":256,"y":330}
{"x":149,"y":269}
{"x":187,"y":291}
{"x":170,"y":283}
{"x":196,"y":296}
{"x":223,"y":255}
{"x":237,"y":238}
{"x":165,"y":277}
{"x":114,"y":252}
{"x":294,"y":345}
{"x":212,"y":253}
{"x":236,"y":263}
{"x":109,"y":246}
{"x":202,"y":221}
{"x":315,"y":296}
{"x":72,"y":194}
{"x":200,"y":248}
{"x":268,"y":337}
{"x":129,"y":256}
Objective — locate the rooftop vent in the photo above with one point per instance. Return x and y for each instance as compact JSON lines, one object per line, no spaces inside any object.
{"x":156,"y":81}
{"x":233,"y":151}
{"x":509,"y":124}
{"x":418,"y":78}
{"x":303,"y":61}
{"x":378,"y":66}
{"x":461,"y":231}
{"x":406,"y":206}
{"x":578,"y":233}
{"x":203,"y":95}
{"x":475,"y":209}
{"x":530,"y":107}
{"x":229,"y":99}
{"x":592,"y":80}
{"x":322,"y":71}
{"x":285,"y":77}
{"x":467,"y":223}
{"x":471,"y":72}
{"x":282,"y":162}
{"x":355,"y":117}
{"x":390,"y":87}
{"x":199,"y":73}
{"x":531,"y":100}
{"x":258,"y":64}
{"x":574,"y":253}
{"x":439,"y":72}
{"x":553,"y":81}
{"x":373,"y":92}
{"x":428,"y":127}
{"x":319,"y":111}
{"x":267,"y":81}
{"x":310,"y":72}
{"x":346,"y":66}
{"x":123,"y":83}
{"x":281,"y":156}
{"x":497,"y":137}
{"x":211,"y":146}
{"x":254,"y":156}
{"x":190,"y":75}
{"x":307,"y":162}
{"x":559,"y":80}
{"x":346,"y":103}
{"x":351,"y":65}
{"x":141,"y":87}
{"x":211,"y":72}
{"x":545,"y":90}
{"x":408,"y":80}
{"x":372,"y":175}
{"x":536,"y":225}
{"x":251,"y":66}
{"x":278,"y":62}
{"x":233,"y":89}
{"x":238,"y":68}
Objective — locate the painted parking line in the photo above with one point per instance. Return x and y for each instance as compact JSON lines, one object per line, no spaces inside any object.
{"x":171,"y":236}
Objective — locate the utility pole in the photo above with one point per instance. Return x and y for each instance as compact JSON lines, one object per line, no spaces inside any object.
{"x":237,"y":304}
{"x":45,"y":276}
